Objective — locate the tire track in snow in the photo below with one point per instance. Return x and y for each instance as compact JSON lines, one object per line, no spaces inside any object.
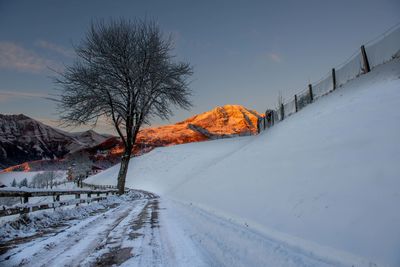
{"x":226,"y":243}
{"x":62,"y":247}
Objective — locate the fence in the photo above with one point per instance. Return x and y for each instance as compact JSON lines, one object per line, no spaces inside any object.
{"x":99,"y":187}
{"x":378,"y":51}
{"x":26,"y":194}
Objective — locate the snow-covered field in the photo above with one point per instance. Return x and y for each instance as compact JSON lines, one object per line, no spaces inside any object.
{"x":325,"y":182}
{"x":7,"y":178}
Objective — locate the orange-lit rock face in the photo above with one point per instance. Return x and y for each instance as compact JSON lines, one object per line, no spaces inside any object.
{"x":221,"y":122}
{"x":21,"y":167}
{"x":227,"y":120}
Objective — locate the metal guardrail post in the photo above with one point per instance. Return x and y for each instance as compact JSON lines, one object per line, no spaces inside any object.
{"x":310,"y":92}
{"x":334,"y":78}
{"x":365,"y":60}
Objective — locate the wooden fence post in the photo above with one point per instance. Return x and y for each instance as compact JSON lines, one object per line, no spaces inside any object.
{"x":56,"y":198}
{"x":77,"y":196}
{"x":310,"y":93}
{"x":266,"y":114}
{"x":334,"y":78}
{"x":295,"y":103}
{"x":365,"y":60}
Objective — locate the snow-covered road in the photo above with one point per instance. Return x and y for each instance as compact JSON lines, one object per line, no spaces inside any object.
{"x":149,"y":231}
{"x":127,"y":234}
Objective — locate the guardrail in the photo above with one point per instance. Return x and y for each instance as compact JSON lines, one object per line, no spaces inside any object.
{"x":26,"y":194}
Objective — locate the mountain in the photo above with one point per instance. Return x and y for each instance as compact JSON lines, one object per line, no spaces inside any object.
{"x":35,"y":146}
{"x":25,"y":139}
{"x":220,"y":122}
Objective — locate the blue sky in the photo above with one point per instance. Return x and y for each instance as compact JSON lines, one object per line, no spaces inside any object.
{"x":243,"y":52}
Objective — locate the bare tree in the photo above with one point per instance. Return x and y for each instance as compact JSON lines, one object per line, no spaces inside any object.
{"x":125,"y":72}
{"x":45,"y":179}
{"x":36,"y":181}
{"x":23,"y":183}
{"x":81,"y":167}
{"x":51,"y":177}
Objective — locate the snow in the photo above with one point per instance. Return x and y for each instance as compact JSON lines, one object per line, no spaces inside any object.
{"x":71,"y":221}
{"x":68,"y":187}
{"x":142,"y":230}
{"x":126,"y":234}
{"x":325,"y":181}
{"x":40,"y":221}
{"x":228,"y":243}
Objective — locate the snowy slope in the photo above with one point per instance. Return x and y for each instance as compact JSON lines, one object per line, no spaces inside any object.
{"x":326,"y":179}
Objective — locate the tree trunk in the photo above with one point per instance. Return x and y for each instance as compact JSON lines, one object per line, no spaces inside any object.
{"x":122,"y":172}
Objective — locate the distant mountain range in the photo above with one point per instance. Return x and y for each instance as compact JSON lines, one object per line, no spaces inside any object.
{"x":25,"y":139}
{"x":26,"y":144}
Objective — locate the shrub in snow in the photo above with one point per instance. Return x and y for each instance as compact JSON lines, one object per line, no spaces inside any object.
{"x":23,"y":183}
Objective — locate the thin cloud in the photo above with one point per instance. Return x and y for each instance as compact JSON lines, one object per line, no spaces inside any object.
{"x":275,"y":57}
{"x":6,"y":95}
{"x":23,"y":94}
{"x":54,"y":48}
{"x":15,"y":57}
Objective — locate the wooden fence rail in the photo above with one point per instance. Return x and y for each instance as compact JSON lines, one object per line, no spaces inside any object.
{"x":102,"y":187}
{"x":25,"y":195}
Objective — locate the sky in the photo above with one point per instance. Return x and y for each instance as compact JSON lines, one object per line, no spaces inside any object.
{"x":242,"y":52}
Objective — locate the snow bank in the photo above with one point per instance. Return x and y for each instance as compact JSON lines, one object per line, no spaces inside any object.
{"x":326,"y":179}
{"x":37,"y":222}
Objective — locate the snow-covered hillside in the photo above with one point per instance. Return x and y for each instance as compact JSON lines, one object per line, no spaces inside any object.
{"x":325,"y":180}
